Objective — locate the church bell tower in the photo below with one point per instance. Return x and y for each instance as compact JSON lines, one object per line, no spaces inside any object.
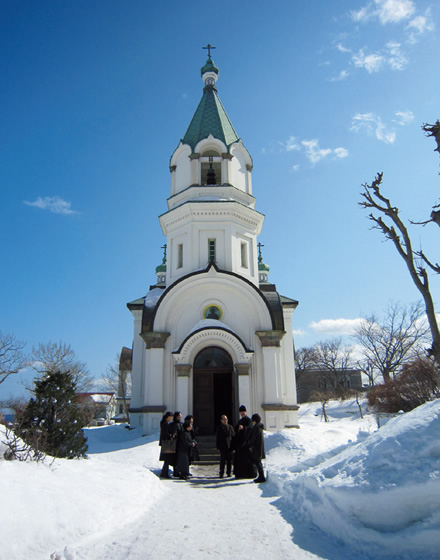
{"x":213,"y":333}
{"x":211,"y":215}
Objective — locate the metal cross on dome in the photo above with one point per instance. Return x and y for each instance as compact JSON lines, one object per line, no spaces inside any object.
{"x":209,"y":47}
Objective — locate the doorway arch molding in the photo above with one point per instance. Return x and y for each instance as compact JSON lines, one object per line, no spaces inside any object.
{"x":203,"y":338}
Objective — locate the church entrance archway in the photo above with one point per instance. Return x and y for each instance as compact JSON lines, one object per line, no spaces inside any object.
{"x":213,"y":388}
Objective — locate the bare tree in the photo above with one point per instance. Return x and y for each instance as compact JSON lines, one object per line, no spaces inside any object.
{"x":391,"y":225}
{"x":334,"y":359}
{"x":59,"y":357}
{"x":389,"y":344}
{"x":12,"y":359}
{"x":305,"y":357}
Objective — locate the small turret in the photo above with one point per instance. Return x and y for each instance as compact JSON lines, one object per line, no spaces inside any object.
{"x":263,"y":269}
{"x":161,"y":270}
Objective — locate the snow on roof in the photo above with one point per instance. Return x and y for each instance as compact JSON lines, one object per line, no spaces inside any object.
{"x":153,"y":297}
{"x":98,"y":398}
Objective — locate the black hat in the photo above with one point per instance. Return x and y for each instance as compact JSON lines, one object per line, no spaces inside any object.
{"x":242,"y":408}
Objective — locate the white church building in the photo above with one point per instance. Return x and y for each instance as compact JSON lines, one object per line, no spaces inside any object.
{"x":213,"y":333}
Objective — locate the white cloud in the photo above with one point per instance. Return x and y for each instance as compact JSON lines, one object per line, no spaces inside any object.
{"x":298,"y":332}
{"x":396,"y":59}
{"x":394,"y":11}
{"x":291,"y":144}
{"x":343,"y":49}
{"x":371,"y":62}
{"x":343,"y":74}
{"x":54,"y":204}
{"x":336,"y":326}
{"x":404,"y":117}
{"x":386,"y":11}
{"x":313,"y":152}
{"x":341,"y":153}
{"x":373,"y":124}
{"x":420,"y":24}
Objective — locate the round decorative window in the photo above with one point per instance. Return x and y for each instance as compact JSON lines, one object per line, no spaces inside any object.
{"x":212,"y":312}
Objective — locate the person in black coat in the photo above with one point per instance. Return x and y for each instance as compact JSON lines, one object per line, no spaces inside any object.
{"x":166,"y":434}
{"x":243,"y":467}
{"x":185,"y":443}
{"x":176,"y":427}
{"x":256,"y":446}
{"x":223,"y":442}
{"x":194,"y":453}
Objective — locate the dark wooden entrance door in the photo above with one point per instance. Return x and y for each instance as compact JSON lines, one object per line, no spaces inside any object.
{"x":213,"y":392}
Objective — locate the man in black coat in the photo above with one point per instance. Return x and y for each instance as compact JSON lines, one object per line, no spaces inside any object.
{"x":256,"y":446}
{"x":223,"y":442}
{"x":243,"y":467}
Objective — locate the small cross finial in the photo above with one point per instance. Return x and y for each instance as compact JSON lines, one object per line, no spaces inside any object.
{"x":260,"y":257}
{"x":209,"y":47}
{"x":164,"y":247}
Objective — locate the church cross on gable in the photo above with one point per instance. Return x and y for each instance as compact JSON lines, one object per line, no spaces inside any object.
{"x":213,"y":333}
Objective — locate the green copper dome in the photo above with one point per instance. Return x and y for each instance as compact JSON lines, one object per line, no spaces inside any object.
{"x":210,"y":116}
{"x":209,"y":67}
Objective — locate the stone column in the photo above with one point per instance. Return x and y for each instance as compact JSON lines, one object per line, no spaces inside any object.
{"x":272,"y":365}
{"x":182,"y":387}
{"x":155,"y":345}
{"x":138,"y":360}
{"x":244,"y":388}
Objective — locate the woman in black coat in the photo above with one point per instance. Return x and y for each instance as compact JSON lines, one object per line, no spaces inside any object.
{"x":256,"y":446}
{"x":185,"y":444}
{"x":166,"y":434}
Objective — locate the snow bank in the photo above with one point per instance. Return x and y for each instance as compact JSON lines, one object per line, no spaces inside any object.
{"x":379,"y":495}
{"x":53,"y":506}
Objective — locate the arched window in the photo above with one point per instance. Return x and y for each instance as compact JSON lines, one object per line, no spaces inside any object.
{"x":213,"y":357}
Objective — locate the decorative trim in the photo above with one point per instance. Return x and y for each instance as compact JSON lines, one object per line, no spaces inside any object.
{"x":196,"y":155}
{"x":279,"y":407}
{"x":183,"y":370}
{"x":146,"y":409}
{"x":201,"y":338}
{"x":243,"y":369}
{"x":155,"y":339}
{"x":227,"y":155}
{"x":270,"y":338}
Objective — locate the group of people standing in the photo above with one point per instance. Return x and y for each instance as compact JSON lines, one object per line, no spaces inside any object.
{"x":241,"y":447}
{"x":178,"y":445}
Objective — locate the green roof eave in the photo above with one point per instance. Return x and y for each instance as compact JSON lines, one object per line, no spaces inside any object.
{"x":288,"y":302}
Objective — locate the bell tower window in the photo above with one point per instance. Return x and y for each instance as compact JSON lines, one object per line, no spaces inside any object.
{"x":210,"y":168}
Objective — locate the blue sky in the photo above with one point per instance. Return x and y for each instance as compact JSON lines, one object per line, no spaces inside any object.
{"x":96,"y":95}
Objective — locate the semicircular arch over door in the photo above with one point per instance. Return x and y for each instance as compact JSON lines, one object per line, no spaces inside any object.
{"x":213,"y":388}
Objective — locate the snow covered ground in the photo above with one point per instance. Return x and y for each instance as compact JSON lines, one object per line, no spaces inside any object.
{"x":337,"y":491}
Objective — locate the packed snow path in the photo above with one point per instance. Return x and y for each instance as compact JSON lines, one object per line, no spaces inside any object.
{"x":201,"y":518}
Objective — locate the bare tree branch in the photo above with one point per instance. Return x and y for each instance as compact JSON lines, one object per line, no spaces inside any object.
{"x":58,"y":356}
{"x":398,"y":234}
{"x":12,"y":359}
